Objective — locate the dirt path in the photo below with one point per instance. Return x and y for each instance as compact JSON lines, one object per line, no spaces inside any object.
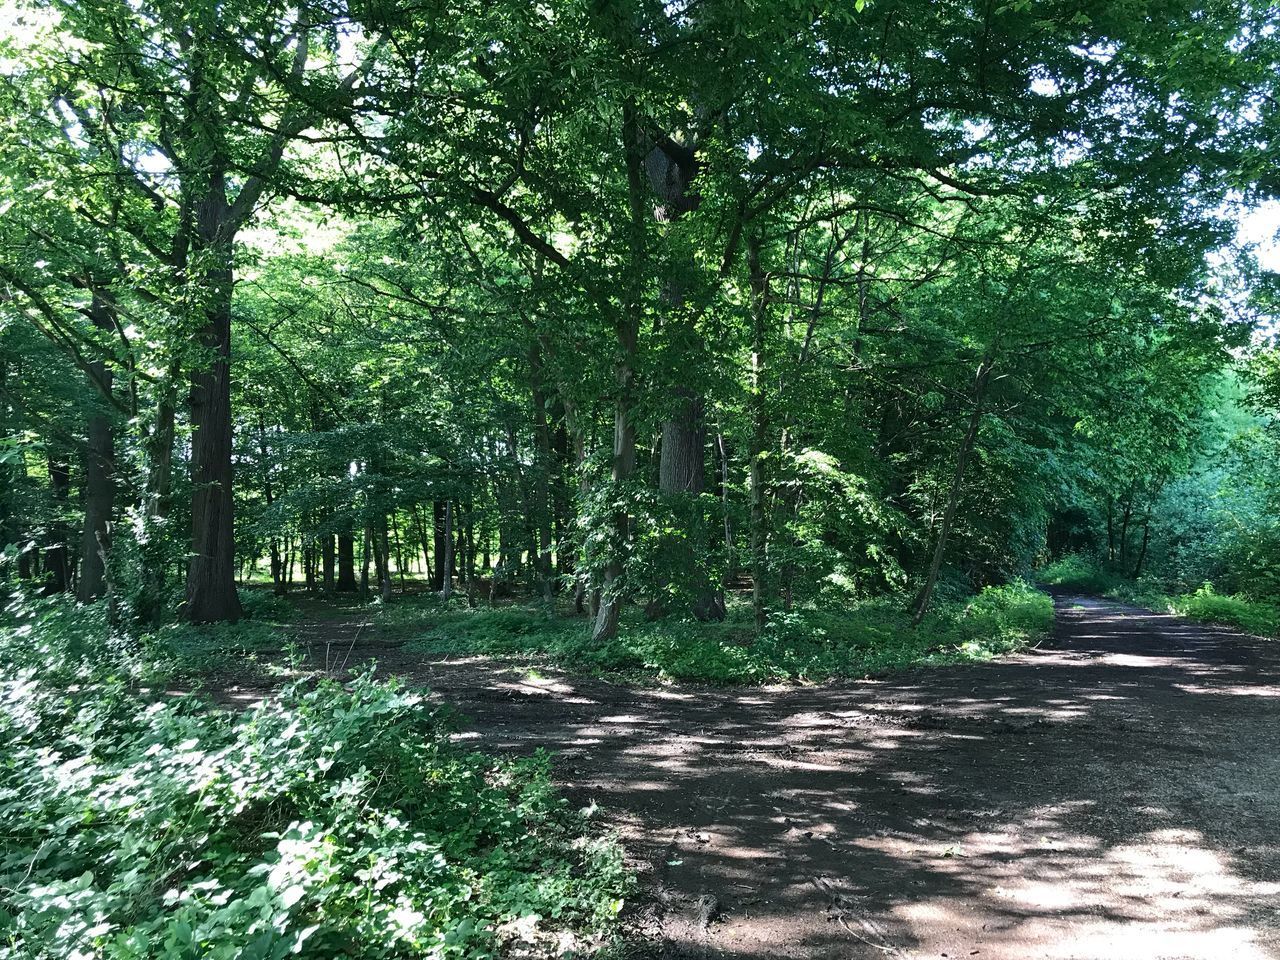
{"x":1113,"y":794}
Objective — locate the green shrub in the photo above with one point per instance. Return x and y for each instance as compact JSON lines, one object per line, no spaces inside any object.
{"x":806,"y":645}
{"x":265,"y":606}
{"x":1078,"y":572}
{"x":1205,"y":605}
{"x":332,"y":821}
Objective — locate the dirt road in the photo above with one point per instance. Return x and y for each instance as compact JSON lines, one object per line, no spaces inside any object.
{"x":1112,"y":794}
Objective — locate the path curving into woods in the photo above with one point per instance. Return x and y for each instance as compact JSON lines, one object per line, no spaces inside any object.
{"x":1114,"y":793}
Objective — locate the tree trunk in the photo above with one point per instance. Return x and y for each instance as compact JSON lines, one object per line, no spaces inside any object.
{"x":759,"y":435}
{"x":1142,"y":552}
{"x":366,"y":554}
{"x":211,"y":586}
{"x":99,"y":475}
{"x":439,"y":546}
{"x":382,"y":559}
{"x":399,"y":545}
{"x":446,"y":565}
{"x":921,"y":605}
{"x":326,"y":562}
{"x":1125,"y":517}
{"x":682,"y":467}
{"x":609,"y":606}
{"x":541,"y":477}
{"x":423,"y":541}
{"x":346,"y":563}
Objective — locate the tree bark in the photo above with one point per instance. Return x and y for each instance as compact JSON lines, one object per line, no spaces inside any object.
{"x":682,"y":467}
{"x":326,"y":562}
{"x":99,"y":474}
{"x":446,"y":565}
{"x":366,"y":554}
{"x":608,"y":613}
{"x":346,"y":563}
{"x":211,"y":587}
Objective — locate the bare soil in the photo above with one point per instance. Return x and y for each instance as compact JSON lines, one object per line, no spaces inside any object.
{"x":1114,"y":793}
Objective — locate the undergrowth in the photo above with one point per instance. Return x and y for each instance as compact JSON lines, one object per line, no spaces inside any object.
{"x":331,"y":821}
{"x":807,"y":645}
{"x":1251,"y":614}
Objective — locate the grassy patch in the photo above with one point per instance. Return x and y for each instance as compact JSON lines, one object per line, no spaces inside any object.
{"x":336,"y":820}
{"x":807,"y":645}
{"x":1252,"y":616}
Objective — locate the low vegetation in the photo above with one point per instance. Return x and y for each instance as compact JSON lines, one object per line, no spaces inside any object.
{"x":334,"y":820}
{"x":806,"y":645}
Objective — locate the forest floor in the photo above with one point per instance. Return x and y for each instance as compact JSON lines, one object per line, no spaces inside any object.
{"x":1113,"y":793}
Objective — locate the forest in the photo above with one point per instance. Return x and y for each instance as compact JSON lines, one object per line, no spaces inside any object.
{"x":363,"y":360}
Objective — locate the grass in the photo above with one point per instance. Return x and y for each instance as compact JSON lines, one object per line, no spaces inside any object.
{"x":1205,"y":605}
{"x":807,"y":645}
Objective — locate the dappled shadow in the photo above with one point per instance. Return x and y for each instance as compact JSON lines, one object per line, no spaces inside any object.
{"x":1112,"y":794}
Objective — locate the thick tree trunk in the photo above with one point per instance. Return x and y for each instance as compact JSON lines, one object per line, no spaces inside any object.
{"x":921,"y":605}
{"x":682,"y":477}
{"x":346,"y":563}
{"x":382,"y":559}
{"x":211,"y":586}
{"x":99,"y":476}
{"x":681,"y":473}
{"x":608,"y":612}
{"x":562,"y":466}
{"x":326,"y":562}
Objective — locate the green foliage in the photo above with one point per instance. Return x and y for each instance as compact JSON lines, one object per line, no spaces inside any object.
{"x":1078,"y":572}
{"x":335,"y":820}
{"x":1253,"y":616}
{"x":265,"y":606}
{"x":807,"y":645}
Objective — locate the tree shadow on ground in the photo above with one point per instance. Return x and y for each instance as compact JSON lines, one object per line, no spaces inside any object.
{"x":1112,"y":794}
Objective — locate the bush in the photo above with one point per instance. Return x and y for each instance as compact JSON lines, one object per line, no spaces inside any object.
{"x":1252,"y":616}
{"x":1078,"y":572}
{"x":265,"y":606}
{"x":807,"y":645}
{"x":331,"y":821}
